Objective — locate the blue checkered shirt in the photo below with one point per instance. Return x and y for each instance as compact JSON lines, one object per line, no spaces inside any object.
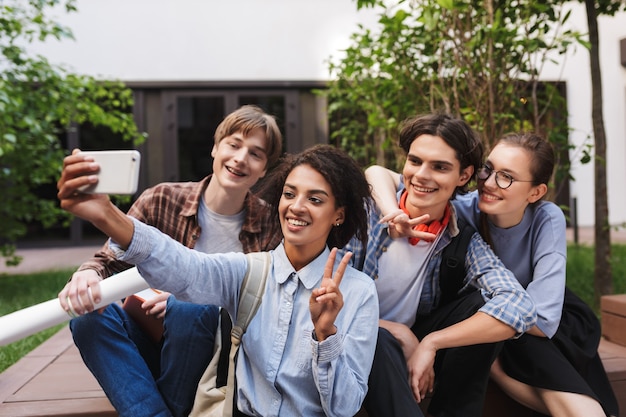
{"x":505,"y":299}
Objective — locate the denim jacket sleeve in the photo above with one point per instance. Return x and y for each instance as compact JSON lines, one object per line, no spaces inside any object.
{"x":506,"y":300}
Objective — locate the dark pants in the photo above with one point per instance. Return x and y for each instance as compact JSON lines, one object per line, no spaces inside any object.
{"x":237,"y":413}
{"x":461,"y":373}
{"x":389,"y":392}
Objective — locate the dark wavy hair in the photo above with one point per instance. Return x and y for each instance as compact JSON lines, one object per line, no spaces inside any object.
{"x":455,"y":132}
{"x":346,"y":180}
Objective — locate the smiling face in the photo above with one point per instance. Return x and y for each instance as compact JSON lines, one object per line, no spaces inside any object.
{"x":307,"y":212}
{"x":431,"y":174}
{"x":505,"y":207}
{"x":240,"y":161}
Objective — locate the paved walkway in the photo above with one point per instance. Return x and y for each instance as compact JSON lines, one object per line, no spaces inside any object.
{"x":586,"y":235}
{"x":44,"y":259}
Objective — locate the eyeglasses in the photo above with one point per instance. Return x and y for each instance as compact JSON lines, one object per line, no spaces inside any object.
{"x":503,"y":179}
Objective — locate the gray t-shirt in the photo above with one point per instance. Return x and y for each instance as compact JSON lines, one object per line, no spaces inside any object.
{"x":220,"y":233}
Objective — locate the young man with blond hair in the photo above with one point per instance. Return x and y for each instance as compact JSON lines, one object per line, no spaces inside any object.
{"x":217,"y":214}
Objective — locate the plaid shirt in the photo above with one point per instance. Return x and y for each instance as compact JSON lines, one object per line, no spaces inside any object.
{"x":173,"y":209}
{"x":505,"y":299}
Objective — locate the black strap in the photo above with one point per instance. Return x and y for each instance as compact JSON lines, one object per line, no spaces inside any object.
{"x":226,"y":326}
{"x":452,"y":269}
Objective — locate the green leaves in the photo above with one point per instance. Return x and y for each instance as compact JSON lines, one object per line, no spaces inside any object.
{"x":468,"y":57}
{"x":446,"y":4}
{"x":38,"y":102}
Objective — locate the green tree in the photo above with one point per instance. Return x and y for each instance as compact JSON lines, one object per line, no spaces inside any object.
{"x":603,"y":276}
{"x":477,"y":59}
{"x":38,"y":102}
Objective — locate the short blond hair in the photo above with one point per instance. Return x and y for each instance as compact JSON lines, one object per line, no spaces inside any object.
{"x":248,"y":118}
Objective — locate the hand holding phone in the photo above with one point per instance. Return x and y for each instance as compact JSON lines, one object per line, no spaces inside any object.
{"x":119,"y":172}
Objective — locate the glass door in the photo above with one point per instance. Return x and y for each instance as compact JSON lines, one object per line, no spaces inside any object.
{"x":197,"y":119}
{"x":193,"y":118}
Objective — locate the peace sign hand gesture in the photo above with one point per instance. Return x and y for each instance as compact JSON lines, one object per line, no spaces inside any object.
{"x":327,"y":300}
{"x":401,"y":225}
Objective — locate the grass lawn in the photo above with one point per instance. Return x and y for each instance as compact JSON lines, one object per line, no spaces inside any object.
{"x":580,"y":265}
{"x":19,"y":291}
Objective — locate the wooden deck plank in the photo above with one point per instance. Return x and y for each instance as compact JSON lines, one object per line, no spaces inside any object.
{"x":52,"y":380}
{"x":34,"y":362}
{"x":614,"y":361}
{"x":15,"y":377}
{"x":91,"y":407}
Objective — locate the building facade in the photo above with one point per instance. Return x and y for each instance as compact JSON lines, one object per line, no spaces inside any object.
{"x":190,"y":62}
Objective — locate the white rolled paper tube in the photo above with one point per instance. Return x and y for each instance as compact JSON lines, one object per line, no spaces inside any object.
{"x":30,"y":320}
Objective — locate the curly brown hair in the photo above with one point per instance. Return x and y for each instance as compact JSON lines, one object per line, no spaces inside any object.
{"x":347,"y":182}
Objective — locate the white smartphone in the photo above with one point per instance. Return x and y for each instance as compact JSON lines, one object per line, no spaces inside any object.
{"x":119,"y":172}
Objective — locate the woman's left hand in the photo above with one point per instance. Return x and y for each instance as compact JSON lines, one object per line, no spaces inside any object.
{"x":327,"y":300}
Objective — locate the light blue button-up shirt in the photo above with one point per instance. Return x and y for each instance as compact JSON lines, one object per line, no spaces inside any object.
{"x":281,"y":369}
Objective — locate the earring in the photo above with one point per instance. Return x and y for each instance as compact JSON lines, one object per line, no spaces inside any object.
{"x":337,"y":224}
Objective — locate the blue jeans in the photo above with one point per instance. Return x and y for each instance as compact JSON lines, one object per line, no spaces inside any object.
{"x":141,"y":377}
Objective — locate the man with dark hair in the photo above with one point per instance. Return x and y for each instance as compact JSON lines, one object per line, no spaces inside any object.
{"x":429,"y":324}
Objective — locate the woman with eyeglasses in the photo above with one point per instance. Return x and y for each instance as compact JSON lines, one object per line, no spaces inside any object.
{"x":554,"y":368}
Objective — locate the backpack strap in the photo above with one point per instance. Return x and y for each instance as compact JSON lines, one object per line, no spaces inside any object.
{"x":250,"y":296}
{"x":251,"y":292}
{"x":452,"y":268}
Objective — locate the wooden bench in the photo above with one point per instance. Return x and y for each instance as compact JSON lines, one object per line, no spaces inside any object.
{"x":612,"y":350}
{"x":613,"y":356}
{"x":613,"y":316}
{"x":53,"y":381}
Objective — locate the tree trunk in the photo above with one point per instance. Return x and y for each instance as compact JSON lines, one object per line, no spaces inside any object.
{"x":379,"y":139}
{"x":603,"y":279}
